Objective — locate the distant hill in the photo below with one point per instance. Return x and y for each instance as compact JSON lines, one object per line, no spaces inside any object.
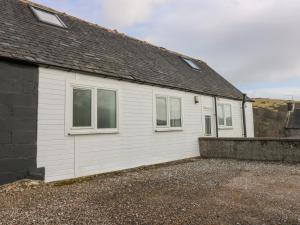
{"x":270,"y":117}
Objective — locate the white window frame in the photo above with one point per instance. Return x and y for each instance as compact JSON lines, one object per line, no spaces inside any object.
{"x":225,"y":126}
{"x":168,"y":126}
{"x":93,"y":129}
{"x":34,"y":9}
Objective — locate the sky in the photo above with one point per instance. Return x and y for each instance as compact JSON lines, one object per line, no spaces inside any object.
{"x":255,"y":44}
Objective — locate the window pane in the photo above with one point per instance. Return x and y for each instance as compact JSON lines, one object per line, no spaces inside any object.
{"x":221,"y":115}
{"x":208,"y":125}
{"x":82,"y":104}
{"x":228,"y":116}
{"x":161,"y":111}
{"x":106,"y":109}
{"x":175,"y":112}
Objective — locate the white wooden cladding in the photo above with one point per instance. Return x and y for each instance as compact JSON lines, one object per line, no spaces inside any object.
{"x":137,"y":141}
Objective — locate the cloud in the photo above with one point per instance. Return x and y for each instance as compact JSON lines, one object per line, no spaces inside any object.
{"x":246,"y":40}
{"x":124,"y":13}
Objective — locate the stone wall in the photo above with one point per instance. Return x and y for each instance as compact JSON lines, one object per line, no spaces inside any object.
{"x":18,"y":120}
{"x":293,"y":133}
{"x":265,"y":149}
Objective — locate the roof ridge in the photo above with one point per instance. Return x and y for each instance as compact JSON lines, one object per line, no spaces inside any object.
{"x":112,"y":31}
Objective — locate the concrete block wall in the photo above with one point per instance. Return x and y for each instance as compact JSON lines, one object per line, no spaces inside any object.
{"x":264,"y":149}
{"x":18,"y":120}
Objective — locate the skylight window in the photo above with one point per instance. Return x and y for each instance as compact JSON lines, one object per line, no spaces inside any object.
{"x":48,"y":17}
{"x":191,"y":63}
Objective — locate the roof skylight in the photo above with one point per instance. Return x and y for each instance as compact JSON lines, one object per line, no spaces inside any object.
{"x":48,"y":17}
{"x":191,"y":63}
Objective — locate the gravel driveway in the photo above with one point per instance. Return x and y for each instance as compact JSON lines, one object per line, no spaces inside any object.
{"x":198,"y":191}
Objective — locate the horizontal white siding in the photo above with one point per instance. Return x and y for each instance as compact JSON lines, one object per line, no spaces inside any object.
{"x":136,"y":143}
{"x":249,"y":119}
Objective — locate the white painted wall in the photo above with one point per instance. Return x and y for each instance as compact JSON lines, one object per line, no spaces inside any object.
{"x":249,"y":119}
{"x":136,"y":144}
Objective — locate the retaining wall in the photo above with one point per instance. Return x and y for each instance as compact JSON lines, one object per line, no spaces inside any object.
{"x":265,"y":149}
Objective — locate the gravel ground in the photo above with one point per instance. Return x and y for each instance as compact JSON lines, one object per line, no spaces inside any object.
{"x":198,"y":191}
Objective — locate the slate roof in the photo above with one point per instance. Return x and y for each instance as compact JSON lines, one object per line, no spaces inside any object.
{"x":90,"y":48}
{"x":294,"y":119}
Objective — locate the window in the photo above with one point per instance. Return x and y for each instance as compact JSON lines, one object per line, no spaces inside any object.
{"x":82,"y":108}
{"x":208,"y":125}
{"x":48,"y":17}
{"x":106,"y":109}
{"x":93,"y":110}
{"x":175,"y":112}
{"x":168,"y":112}
{"x":191,"y":63}
{"x":224,"y":115}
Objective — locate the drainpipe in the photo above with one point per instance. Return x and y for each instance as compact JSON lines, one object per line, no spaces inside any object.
{"x":244,"y":115}
{"x":216,"y":117}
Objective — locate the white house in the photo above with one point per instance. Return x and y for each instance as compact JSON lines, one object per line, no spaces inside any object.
{"x":85,"y":100}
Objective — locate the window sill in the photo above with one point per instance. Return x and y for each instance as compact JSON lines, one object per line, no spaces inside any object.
{"x":225,"y":128}
{"x":168,"y":129}
{"x":90,"y":132}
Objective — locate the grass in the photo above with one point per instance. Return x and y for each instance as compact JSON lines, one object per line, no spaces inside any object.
{"x":270,"y":104}
{"x":270,"y":117}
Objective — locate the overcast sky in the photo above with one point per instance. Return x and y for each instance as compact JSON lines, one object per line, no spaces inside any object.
{"x":255,"y":44}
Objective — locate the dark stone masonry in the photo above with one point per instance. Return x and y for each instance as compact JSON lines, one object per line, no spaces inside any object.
{"x":18,"y":121}
{"x":264,"y":149}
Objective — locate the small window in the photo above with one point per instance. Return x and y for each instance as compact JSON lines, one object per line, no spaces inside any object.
{"x":224,"y":115}
{"x":207,"y":125}
{"x":82,"y":108}
{"x":191,"y":63}
{"x":168,"y":112}
{"x":48,"y":17}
